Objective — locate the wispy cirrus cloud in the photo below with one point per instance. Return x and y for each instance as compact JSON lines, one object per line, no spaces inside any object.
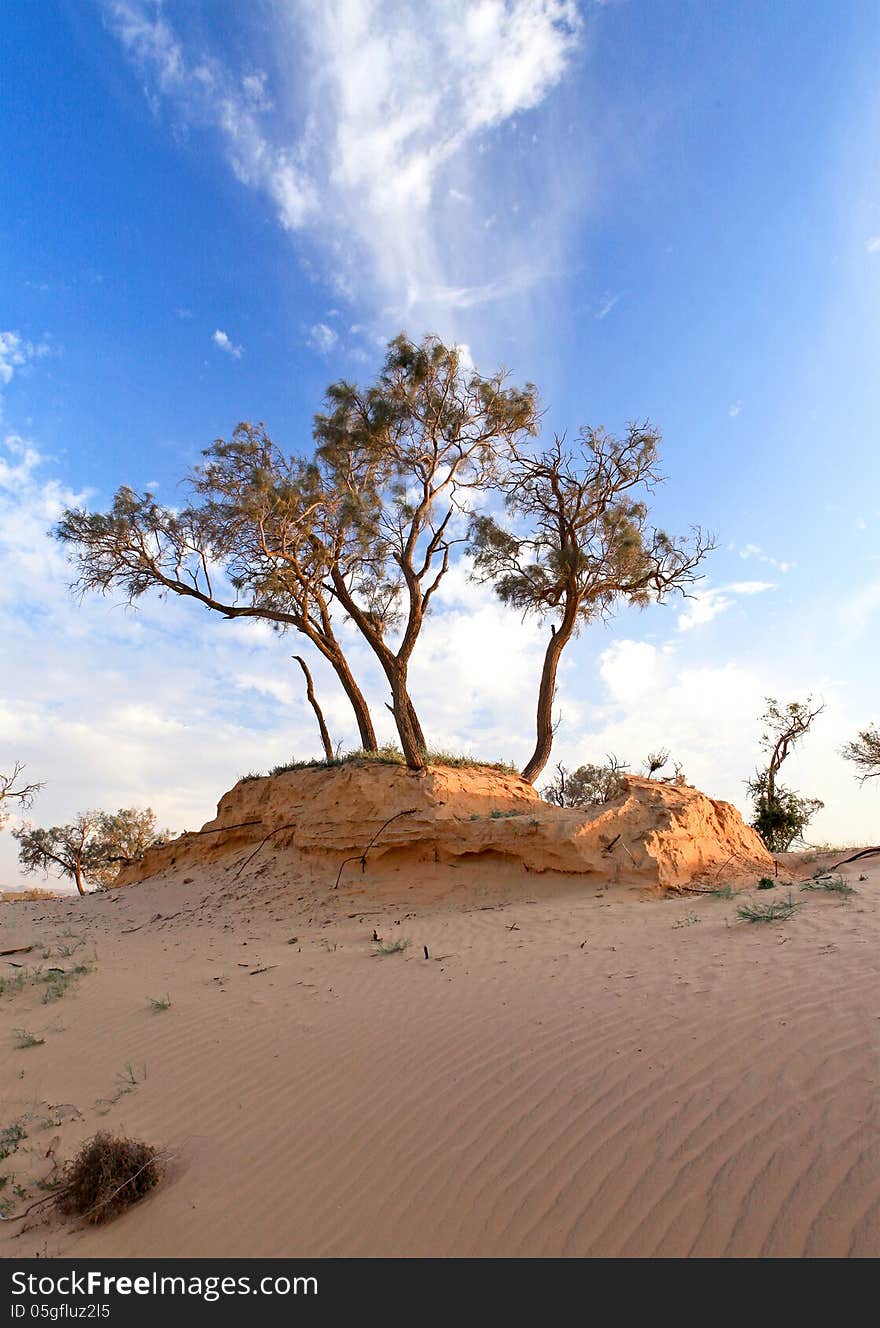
{"x":372,"y":133}
{"x":704,"y":605}
{"x":606,"y":305}
{"x":755,"y":551}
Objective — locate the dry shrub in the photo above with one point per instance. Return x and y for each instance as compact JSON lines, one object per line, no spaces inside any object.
{"x":106,"y":1176}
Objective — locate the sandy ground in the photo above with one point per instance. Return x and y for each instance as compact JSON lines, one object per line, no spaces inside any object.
{"x":571,"y":1072}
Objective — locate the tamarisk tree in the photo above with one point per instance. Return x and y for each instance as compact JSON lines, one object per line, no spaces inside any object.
{"x":402,"y":462}
{"x":250,"y":526}
{"x":864,"y":752}
{"x":781,"y":815}
{"x":91,"y":849}
{"x":580,"y":544}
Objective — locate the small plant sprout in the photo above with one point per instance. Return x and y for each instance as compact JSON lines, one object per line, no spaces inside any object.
{"x":390,"y":947}
{"x":159,"y":1003}
{"x":10,"y":1138}
{"x":25,"y":1039}
{"x":725,"y":891}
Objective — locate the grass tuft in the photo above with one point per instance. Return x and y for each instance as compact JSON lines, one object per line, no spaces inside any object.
{"x":834,"y":885}
{"x":779,"y":911}
{"x":25,"y":1039}
{"x":390,"y":947}
{"x":389,"y":754}
{"x":159,"y":1003}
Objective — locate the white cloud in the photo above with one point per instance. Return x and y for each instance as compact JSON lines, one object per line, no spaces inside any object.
{"x":735,"y":409}
{"x":607,"y":304}
{"x":708,"y":716}
{"x":222,"y":342}
{"x":872,"y":244}
{"x":322,"y":338}
{"x":755,"y":551}
{"x":704,"y":605}
{"x":16,"y":352}
{"x":368,"y":139}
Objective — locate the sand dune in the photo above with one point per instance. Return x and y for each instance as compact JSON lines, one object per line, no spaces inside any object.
{"x":574,"y":1071}
{"x":653,"y":836}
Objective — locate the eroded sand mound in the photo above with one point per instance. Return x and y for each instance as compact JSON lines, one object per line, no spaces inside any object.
{"x":655,"y":836}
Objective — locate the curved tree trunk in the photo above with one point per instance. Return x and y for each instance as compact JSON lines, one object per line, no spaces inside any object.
{"x":77,"y":871}
{"x":559,"y":639}
{"x":319,"y":714}
{"x":358,"y":702}
{"x":411,"y":738}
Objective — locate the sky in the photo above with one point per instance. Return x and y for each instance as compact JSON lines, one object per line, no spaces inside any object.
{"x":665,"y":211}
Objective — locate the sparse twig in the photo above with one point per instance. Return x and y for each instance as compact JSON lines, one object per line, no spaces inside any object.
{"x":319,"y":715}
{"x":276,"y":831}
{"x":362,"y":857}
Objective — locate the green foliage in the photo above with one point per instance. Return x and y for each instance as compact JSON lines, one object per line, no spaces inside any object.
{"x":91,"y":849}
{"x":656,"y":761}
{"x":781,"y":819}
{"x":388,"y":754}
{"x":588,"y":786}
{"x":10,"y":1138}
{"x":390,"y":947}
{"x":57,"y":981}
{"x":24,"y":1039}
{"x":587,"y":543}
{"x":766,"y":883}
{"x":781,"y":816}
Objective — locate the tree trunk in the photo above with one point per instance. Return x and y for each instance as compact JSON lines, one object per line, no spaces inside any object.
{"x":411,"y":738}
{"x":313,"y":702}
{"x":78,"y":877}
{"x":547,"y":690}
{"x":358,"y":703}
{"x":415,"y":725}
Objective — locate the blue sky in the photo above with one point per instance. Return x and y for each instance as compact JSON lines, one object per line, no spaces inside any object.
{"x":672,"y":211}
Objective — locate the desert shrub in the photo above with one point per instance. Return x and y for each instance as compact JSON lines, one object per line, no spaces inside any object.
{"x":23,"y":896}
{"x":781,"y":817}
{"x":107,"y":1175}
{"x":588,"y":786}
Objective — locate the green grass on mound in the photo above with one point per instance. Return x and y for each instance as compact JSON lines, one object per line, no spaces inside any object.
{"x":389,"y":754}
